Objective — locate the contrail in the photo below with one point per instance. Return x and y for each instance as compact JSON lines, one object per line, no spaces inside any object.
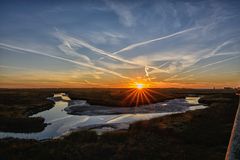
{"x":214,"y":51}
{"x":25,"y":51}
{"x":13,"y":67}
{"x":68,"y":50}
{"x":211,"y":64}
{"x":177,"y":78}
{"x":221,"y":61}
{"x":228,"y":59}
{"x":159,"y":69}
{"x":132,"y":46}
{"x":220,"y":47}
{"x":81,"y":43}
{"x":210,"y":69}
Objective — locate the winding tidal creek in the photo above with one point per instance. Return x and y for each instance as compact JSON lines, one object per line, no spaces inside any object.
{"x":70,"y":115}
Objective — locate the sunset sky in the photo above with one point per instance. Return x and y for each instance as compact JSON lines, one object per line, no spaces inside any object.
{"x":192,"y":44}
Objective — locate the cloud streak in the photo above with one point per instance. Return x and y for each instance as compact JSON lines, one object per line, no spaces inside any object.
{"x":14,"y":67}
{"x":132,"y":46}
{"x":81,"y":43}
{"x":124,"y":13}
{"x":68,"y":50}
{"x":201,"y":67}
{"x":27,"y":51}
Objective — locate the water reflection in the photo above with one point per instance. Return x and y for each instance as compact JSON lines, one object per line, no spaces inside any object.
{"x":192,"y":100}
{"x":61,"y":123}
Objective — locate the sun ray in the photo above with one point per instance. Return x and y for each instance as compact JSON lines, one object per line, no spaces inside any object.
{"x":139,"y":94}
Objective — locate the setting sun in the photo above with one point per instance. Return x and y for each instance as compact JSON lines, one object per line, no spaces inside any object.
{"x":139,"y":85}
{"x":139,"y":93}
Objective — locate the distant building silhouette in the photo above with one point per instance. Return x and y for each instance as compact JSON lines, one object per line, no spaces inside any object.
{"x":227,"y":88}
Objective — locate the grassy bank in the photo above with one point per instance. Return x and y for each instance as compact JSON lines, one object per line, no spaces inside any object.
{"x":16,"y":105}
{"x":200,"y":134}
{"x":22,"y":125}
{"x":115,"y":96}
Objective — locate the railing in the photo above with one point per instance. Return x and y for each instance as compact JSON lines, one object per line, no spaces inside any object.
{"x":233,"y":151}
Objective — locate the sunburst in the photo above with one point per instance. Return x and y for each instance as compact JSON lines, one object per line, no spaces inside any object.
{"x":139,"y":94}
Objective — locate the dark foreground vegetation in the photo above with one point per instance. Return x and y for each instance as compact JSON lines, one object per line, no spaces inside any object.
{"x":16,"y":105}
{"x":195,"y":135}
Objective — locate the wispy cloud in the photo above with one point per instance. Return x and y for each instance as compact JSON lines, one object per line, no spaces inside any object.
{"x":123,"y":11}
{"x":108,"y":42}
{"x":117,"y":65}
{"x":216,"y":50}
{"x":13,"y":67}
{"x":135,"y":45}
{"x":29,"y":51}
{"x":106,"y":37}
{"x":52,"y":78}
{"x":210,"y":64}
{"x":81,"y":43}
{"x":146,"y":71}
{"x":173,"y":77}
{"x":69,"y":51}
{"x":172,"y":61}
{"x":180,"y":78}
{"x":224,"y":53}
{"x":188,"y":61}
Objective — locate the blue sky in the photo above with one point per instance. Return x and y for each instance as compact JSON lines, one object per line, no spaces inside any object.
{"x":115,"y":43}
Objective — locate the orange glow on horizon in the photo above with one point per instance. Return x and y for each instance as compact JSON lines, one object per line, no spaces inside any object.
{"x":139,"y":85}
{"x":13,"y":84}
